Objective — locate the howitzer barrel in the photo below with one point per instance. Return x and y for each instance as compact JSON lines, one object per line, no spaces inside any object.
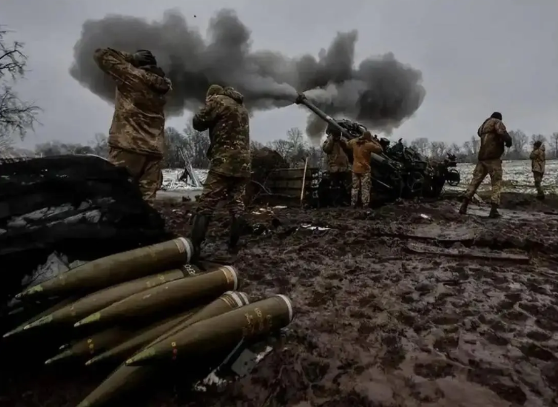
{"x":303,"y":100}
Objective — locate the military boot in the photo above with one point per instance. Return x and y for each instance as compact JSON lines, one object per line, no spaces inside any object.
{"x":238,"y":223}
{"x":197,"y":236}
{"x":464,"y":206}
{"x":494,"y":211}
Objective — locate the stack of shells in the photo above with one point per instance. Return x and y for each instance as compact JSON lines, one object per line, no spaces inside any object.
{"x":148,"y":308}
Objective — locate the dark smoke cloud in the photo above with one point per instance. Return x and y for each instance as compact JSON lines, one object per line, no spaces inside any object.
{"x":381,"y":92}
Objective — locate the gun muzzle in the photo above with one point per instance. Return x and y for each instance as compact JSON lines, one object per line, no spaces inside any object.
{"x":300,"y":98}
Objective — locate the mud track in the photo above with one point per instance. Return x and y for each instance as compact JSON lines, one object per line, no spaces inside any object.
{"x":473,"y":322}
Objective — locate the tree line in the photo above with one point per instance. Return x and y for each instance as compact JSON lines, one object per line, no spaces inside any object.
{"x":17,"y":117}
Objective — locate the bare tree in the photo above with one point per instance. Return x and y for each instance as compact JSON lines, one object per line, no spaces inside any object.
{"x":454,"y":149}
{"x":538,"y":137}
{"x":255,"y":145}
{"x":420,"y":145}
{"x":438,"y":149}
{"x":99,"y":145}
{"x":283,"y":147}
{"x":554,"y":139}
{"x":16,"y":116}
{"x":198,"y":143}
{"x":519,"y":141}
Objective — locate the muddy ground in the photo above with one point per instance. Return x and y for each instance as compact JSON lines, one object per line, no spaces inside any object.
{"x":378,"y":324}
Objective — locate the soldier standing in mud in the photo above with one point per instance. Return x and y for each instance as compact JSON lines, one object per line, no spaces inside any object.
{"x":362,"y":149}
{"x":494,"y":137}
{"x":538,"y":161}
{"x":136,"y":135}
{"x":227,"y":119}
{"x":337,"y":161}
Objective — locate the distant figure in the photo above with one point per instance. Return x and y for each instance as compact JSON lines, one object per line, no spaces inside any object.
{"x":362,"y":149}
{"x":136,"y":135}
{"x":228,"y":121}
{"x":538,"y":161}
{"x":494,"y":137}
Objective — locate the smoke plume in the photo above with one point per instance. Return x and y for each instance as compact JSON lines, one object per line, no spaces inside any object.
{"x":380,"y":93}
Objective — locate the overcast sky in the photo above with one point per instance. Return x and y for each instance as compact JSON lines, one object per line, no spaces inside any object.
{"x":476,"y":57}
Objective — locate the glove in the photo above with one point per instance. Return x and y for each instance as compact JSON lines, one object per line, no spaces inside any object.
{"x":144,"y":57}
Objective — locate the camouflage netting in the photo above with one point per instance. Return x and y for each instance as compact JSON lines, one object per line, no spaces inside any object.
{"x":80,"y":206}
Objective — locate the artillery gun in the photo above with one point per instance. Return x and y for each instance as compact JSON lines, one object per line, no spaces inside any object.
{"x":398,"y":172}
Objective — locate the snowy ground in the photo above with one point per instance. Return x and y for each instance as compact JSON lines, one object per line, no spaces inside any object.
{"x":171,"y":182}
{"x":517,"y":177}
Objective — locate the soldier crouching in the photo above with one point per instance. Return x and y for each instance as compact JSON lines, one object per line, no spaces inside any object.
{"x":538,"y":162}
{"x":494,"y":137}
{"x":227,"y":119}
{"x":136,"y":135}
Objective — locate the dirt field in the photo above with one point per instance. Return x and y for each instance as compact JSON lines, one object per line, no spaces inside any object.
{"x":378,"y":324}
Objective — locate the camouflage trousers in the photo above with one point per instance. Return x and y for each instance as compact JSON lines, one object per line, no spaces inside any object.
{"x":218,"y":187}
{"x":144,"y":169}
{"x":361,"y":183}
{"x":538,"y":176}
{"x":493,"y":168}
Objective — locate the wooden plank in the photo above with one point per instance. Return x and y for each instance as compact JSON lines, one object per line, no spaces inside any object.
{"x":465,"y":253}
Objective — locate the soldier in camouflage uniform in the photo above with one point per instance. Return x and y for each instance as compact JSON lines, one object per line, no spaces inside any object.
{"x":136,"y":135}
{"x":362,"y":149}
{"x":494,"y":136}
{"x":228,"y":121}
{"x":538,"y":161}
{"x":335,"y":148}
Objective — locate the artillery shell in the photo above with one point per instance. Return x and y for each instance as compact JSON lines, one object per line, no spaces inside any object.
{"x":93,"y":344}
{"x":129,"y":347}
{"x":221,"y":332}
{"x":100,"y":299}
{"x":228,"y":301}
{"x":49,"y":311}
{"x":126,"y":378}
{"x":179,"y":294}
{"x":117,"y":268}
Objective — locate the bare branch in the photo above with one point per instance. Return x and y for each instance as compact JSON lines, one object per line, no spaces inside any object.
{"x":16,"y":116}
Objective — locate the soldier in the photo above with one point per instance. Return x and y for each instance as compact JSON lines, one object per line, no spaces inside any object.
{"x":337,"y":161}
{"x":494,"y":136}
{"x":538,"y":160}
{"x":362,"y":149}
{"x":227,"y":119}
{"x":137,"y":131}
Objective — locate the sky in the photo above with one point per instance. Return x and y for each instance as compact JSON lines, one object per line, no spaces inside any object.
{"x":476,"y":57}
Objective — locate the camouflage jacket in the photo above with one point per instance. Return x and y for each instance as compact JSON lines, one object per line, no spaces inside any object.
{"x":362,"y":153}
{"x":138,"y":123}
{"x":228,"y":122}
{"x":538,"y":159}
{"x":493,"y":135}
{"x":337,"y":160}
